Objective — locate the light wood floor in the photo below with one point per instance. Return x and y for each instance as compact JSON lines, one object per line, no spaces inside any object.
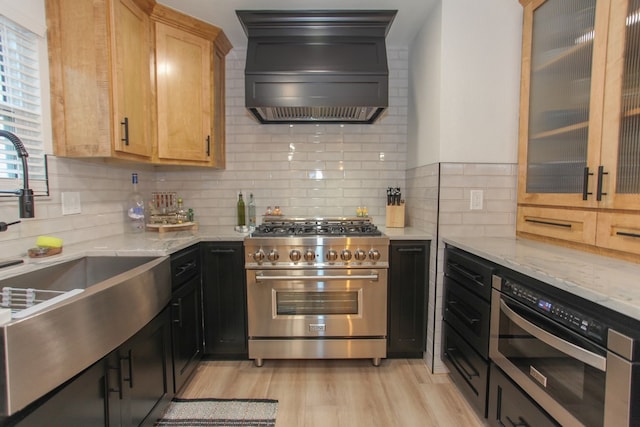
{"x":337,"y":393}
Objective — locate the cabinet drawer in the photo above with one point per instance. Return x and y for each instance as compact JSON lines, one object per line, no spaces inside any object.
{"x":565,"y":224}
{"x":470,"y":271}
{"x":185,"y":265}
{"x":468,"y":370}
{"x":468,"y":315}
{"x":619,"y":232}
{"x":510,"y":406}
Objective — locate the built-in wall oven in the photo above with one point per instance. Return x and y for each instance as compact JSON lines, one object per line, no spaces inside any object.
{"x":576,"y":359}
{"x":317,"y":289}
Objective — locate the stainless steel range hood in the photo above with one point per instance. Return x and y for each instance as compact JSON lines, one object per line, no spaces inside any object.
{"x":316,"y":66}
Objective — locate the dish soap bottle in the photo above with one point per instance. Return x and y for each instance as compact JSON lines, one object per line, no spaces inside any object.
{"x":252,"y":211}
{"x":241,"y":215}
{"x":135,"y":207}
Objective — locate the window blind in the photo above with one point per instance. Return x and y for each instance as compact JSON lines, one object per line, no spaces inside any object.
{"x":20,"y":107}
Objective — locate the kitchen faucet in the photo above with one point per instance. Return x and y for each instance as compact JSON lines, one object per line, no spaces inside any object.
{"x":25,"y":195}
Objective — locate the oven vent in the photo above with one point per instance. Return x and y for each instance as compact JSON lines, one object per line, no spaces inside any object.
{"x":306,"y":114}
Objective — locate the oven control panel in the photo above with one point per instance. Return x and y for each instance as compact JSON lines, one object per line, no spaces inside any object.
{"x":551,"y":307}
{"x":317,"y":252}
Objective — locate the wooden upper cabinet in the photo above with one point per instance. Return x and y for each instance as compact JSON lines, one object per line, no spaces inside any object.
{"x":621,"y":129}
{"x":579,"y":139}
{"x":563,"y":58}
{"x":189,"y":89}
{"x":134,"y":80}
{"x":99,"y":54}
{"x":132,"y":100}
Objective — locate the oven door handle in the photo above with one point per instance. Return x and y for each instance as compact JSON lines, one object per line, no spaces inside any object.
{"x":584,"y":356}
{"x":373,"y":277}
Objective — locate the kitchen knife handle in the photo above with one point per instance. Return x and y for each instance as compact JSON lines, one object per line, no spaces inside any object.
{"x":585,"y":183}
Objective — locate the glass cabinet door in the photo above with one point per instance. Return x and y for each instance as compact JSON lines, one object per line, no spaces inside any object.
{"x":622,"y":109}
{"x":561,"y":58}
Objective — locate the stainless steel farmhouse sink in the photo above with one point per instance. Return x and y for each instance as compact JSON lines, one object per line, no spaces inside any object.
{"x":100,"y":302}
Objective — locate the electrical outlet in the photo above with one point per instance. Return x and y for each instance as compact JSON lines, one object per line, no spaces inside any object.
{"x":476,"y":199}
{"x":71,"y":203}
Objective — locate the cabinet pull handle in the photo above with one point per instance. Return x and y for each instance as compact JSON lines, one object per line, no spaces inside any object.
{"x":585,"y":183}
{"x":125,"y":123}
{"x":128,"y":358}
{"x":453,"y":307}
{"x":222,"y":251}
{"x":627,"y":234}
{"x":601,"y":173}
{"x":454,"y":359}
{"x":178,"y":306}
{"x":208,"y":145}
{"x":185,"y":267}
{"x":555,"y":224}
{"x":466,"y":273}
{"x":414,"y":250}
{"x":521,"y":422}
{"x":110,"y":388}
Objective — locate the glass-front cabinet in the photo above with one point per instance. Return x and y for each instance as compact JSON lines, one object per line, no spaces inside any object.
{"x":579,"y":154}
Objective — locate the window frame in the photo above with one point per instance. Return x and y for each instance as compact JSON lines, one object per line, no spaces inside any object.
{"x":30,"y":16}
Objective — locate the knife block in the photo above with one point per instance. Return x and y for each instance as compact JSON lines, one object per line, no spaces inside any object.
{"x":395,"y":216}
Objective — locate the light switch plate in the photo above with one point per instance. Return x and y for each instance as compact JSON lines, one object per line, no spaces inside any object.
{"x":476,"y":199}
{"x":71,"y":203}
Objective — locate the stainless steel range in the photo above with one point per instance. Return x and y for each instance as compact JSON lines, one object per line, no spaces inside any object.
{"x":317,"y":288}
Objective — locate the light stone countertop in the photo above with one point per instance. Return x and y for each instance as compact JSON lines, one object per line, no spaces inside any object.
{"x":152,"y":243}
{"x":406,"y":233}
{"x":609,"y":282}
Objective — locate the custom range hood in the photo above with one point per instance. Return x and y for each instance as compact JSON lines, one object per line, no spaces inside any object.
{"x":311,"y":66}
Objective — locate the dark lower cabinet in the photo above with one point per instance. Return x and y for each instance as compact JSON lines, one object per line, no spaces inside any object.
{"x":466,"y":324}
{"x":224,"y":300}
{"x":186,"y":330}
{"x":407,"y":294}
{"x":139,"y":375}
{"x":467,"y":369}
{"x":78,"y":403}
{"x":509,"y":406}
{"x":186,"y":314}
{"x":129,"y":387}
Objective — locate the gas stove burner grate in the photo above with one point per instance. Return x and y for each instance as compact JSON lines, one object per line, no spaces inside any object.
{"x":316,"y":227}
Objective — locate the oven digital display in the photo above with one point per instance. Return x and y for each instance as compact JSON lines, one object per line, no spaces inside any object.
{"x":545,"y":305}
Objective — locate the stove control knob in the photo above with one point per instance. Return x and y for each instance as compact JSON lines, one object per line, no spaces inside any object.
{"x":258,"y":255}
{"x":273,"y":255}
{"x":309,"y":255}
{"x":295,"y":255}
{"x":360,"y":255}
{"x":345,"y":255}
{"x":374,"y":255}
{"x":332,"y":255}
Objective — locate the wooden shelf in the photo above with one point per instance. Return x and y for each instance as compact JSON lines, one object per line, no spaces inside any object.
{"x":172,"y":227}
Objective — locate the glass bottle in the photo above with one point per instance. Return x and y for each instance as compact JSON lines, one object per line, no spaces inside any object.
{"x":181,"y":214}
{"x":252,"y":211}
{"x":135,"y":207}
{"x":241,"y":214}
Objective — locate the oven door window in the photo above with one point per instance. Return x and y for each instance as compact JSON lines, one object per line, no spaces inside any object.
{"x":564,"y":365}
{"x":317,"y":302}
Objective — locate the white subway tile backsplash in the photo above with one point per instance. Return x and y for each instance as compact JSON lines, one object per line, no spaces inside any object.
{"x":442,"y":193}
